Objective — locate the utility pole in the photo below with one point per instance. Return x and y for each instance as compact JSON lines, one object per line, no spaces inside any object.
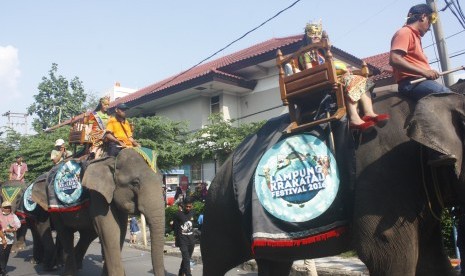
{"x":441,"y":45}
{"x":15,"y":116}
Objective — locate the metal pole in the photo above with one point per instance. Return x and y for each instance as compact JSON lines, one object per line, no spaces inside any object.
{"x":144,"y":227}
{"x":59,"y":115}
{"x":441,"y":45}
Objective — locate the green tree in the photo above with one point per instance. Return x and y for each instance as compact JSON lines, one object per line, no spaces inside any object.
{"x":165,"y":136}
{"x":57,"y":99}
{"x":35,"y":150}
{"x":219,"y":138}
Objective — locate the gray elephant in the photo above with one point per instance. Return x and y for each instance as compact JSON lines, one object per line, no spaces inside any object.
{"x":393,"y":229}
{"x":44,"y":250}
{"x":117,"y":187}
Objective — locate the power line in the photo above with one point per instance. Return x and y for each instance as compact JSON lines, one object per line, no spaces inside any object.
{"x":225,"y":47}
{"x":456,"y":10}
{"x":453,"y":55}
{"x":445,"y":38}
{"x":366,"y":20}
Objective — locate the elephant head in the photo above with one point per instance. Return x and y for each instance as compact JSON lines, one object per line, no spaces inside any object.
{"x":12,"y":191}
{"x":129,"y":185}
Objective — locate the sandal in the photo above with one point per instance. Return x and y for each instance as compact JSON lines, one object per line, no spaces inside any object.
{"x":364,"y":127}
{"x":380,"y":120}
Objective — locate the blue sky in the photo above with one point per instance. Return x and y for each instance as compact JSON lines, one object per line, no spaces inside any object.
{"x":138,"y":43}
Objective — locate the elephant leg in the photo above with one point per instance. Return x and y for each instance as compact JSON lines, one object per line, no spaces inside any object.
{"x":65,"y":236}
{"x":432,"y":259}
{"x":106,"y":222}
{"x":273,"y":268}
{"x":388,"y":248}
{"x":224,"y":215}
{"x":44,"y":246}
{"x":20,"y":242}
{"x":85,"y":238}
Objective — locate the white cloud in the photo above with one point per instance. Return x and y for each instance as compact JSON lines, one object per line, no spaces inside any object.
{"x":9,"y":71}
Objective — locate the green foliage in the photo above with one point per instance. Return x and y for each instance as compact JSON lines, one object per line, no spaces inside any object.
{"x":165,"y":136}
{"x":57,"y":98}
{"x":218,"y":139}
{"x":35,"y":150}
{"x":170,"y":213}
{"x":447,"y":224}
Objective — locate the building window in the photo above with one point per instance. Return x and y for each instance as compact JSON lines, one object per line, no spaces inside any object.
{"x":215,"y":105}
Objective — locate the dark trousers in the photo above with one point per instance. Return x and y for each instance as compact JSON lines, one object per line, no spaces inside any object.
{"x":4,"y":256}
{"x":186,"y":252}
{"x":113,"y":149}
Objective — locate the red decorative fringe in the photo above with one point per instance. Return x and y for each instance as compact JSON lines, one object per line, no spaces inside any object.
{"x":69,"y":209}
{"x":334,"y":233}
{"x":21,"y":216}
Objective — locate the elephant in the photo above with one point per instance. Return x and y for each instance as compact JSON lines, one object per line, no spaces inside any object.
{"x":44,"y":249}
{"x":117,"y":186}
{"x":393,"y":220}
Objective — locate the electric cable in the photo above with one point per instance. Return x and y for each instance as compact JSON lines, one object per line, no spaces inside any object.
{"x":225,"y":47}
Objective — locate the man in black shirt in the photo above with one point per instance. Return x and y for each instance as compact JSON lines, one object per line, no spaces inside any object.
{"x":184,"y":230}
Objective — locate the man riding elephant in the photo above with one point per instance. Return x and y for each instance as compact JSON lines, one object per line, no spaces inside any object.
{"x":410,"y":63}
{"x":119,"y":132}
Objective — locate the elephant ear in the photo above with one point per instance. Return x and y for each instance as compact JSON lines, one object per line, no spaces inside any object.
{"x":438,"y":122}
{"x":39,"y":193}
{"x":99,"y":177}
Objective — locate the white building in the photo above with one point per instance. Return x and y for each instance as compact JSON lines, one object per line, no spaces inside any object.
{"x":117,"y":91}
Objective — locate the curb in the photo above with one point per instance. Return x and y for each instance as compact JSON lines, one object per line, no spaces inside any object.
{"x":297,"y":269}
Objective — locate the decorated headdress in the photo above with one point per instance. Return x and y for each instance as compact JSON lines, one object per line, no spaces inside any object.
{"x":105,"y":98}
{"x":314,"y":29}
{"x":101,"y":101}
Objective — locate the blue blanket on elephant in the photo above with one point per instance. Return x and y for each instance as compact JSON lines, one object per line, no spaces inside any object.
{"x":65,"y":191}
{"x":293,"y":190}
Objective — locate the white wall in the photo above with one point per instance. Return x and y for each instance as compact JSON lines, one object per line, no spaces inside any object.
{"x":195,"y":111}
{"x":265,"y":96}
{"x":229,"y":105}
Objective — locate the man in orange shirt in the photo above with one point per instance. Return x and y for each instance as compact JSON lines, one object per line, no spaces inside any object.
{"x":408,"y":59}
{"x":409,"y":63}
{"x":119,"y":132}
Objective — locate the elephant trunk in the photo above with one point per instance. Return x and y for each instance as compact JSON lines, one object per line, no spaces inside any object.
{"x":156,"y":223}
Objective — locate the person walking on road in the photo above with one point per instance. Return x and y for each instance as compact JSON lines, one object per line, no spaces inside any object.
{"x":184,"y":230}
{"x":133,"y":230}
{"x":9,"y":225}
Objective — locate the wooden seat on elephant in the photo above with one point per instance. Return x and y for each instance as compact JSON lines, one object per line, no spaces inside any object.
{"x":303,"y":91}
{"x":80,"y":131}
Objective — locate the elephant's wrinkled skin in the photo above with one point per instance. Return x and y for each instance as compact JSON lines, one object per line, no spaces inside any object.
{"x":116,"y":190}
{"x":394,"y":232}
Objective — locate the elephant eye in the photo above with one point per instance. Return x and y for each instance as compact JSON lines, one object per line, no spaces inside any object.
{"x":135,"y":182}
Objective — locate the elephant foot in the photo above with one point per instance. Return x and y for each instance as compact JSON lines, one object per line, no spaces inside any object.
{"x":34,"y":261}
{"x":49,"y":268}
{"x":17,"y":249}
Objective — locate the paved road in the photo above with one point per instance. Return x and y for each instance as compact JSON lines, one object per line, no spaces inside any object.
{"x":135,"y":261}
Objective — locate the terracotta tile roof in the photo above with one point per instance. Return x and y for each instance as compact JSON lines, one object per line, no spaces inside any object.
{"x":214,"y":66}
{"x":380,"y":61}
